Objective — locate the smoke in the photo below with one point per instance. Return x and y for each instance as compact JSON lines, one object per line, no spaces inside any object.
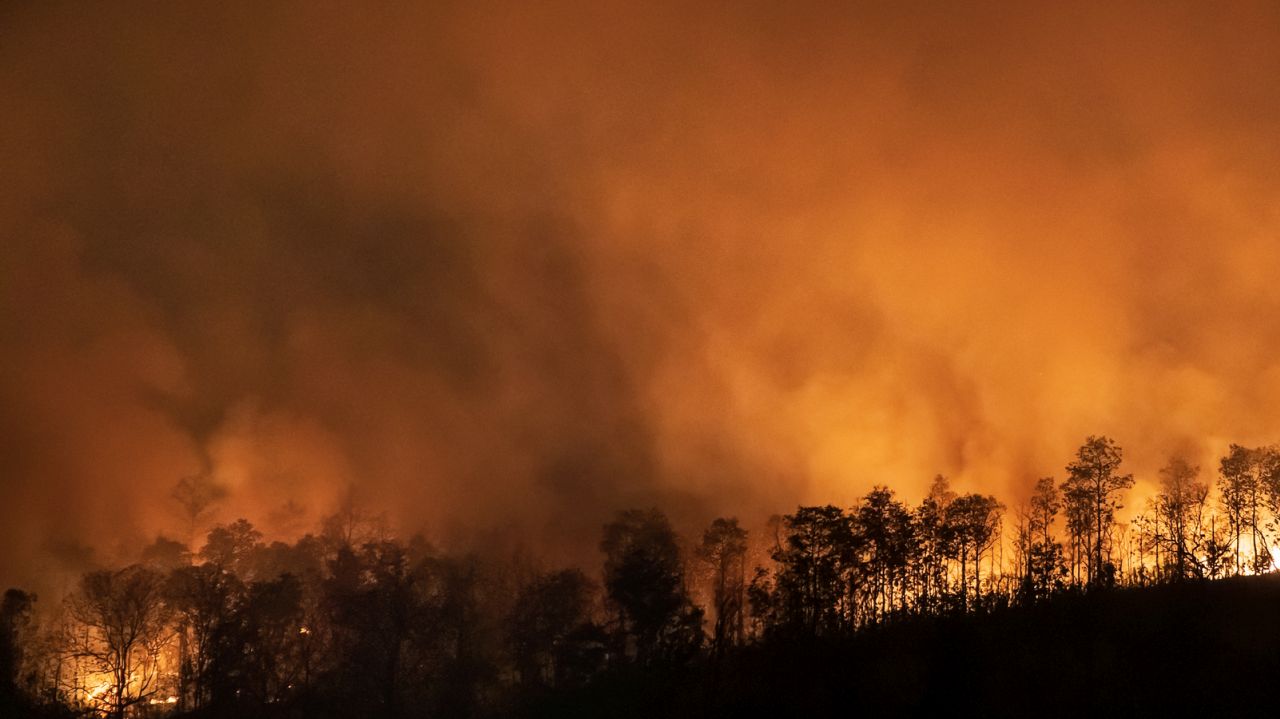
{"x":509,"y":267}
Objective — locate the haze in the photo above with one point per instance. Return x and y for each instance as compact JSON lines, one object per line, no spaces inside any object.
{"x":499,"y":270}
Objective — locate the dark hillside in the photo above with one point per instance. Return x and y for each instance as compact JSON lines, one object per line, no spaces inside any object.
{"x":1211,"y":648}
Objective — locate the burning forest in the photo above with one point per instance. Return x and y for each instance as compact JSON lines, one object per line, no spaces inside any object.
{"x":488,"y":359}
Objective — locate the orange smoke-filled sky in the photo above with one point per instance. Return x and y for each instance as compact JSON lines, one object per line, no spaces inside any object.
{"x":509,"y":267}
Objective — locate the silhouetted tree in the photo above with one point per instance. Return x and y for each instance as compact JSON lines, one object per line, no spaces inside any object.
{"x":1092,"y":492}
{"x":461,"y":599}
{"x":232,"y":546}
{"x":1217,"y":544}
{"x":973,"y":519}
{"x":125,"y":623}
{"x":372,"y":604}
{"x":546,"y":624}
{"x":304,"y":559}
{"x":15,"y":617}
{"x":886,"y":537}
{"x":270,"y":621}
{"x":724,"y":551}
{"x":1244,"y":478}
{"x":1179,"y":507}
{"x":353,"y":526}
{"x":195,"y":494}
{"x":203,"y":599}
{"x":935,"y":543}
{"x":166,"y":554}
{"x":817,"y":577}
{"x":1045,"y":568}
{"x":763,"y":600}
{"x":644,"y":584}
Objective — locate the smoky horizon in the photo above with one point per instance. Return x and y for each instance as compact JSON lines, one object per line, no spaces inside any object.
{"x":497,"y":271}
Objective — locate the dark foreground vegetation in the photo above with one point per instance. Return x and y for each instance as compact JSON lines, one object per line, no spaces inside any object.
{"x":878,"y":609}
{"x":1208,"y":648}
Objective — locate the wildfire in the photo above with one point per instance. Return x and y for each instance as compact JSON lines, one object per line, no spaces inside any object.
{"x":99,"y":689}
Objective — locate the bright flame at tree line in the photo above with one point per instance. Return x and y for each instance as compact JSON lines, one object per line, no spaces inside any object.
{"x":141,"y":636}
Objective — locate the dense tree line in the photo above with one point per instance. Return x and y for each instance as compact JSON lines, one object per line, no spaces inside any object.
{"x":353,"y":622}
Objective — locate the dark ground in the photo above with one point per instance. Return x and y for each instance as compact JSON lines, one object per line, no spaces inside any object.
{"x":1211,"y":649}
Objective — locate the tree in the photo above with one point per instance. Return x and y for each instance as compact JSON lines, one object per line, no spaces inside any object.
{"x":887,"y":537}
{"x":935,"y":543}
{"x":1245,"y":474}
{"x":973,"y":520}
{"x":1217,"y":549}
{"x":204,"y":600}
{"x":195,"y":494}
{"x":1092,"y":491}
{"x":270,"y":622}
{"x":372,"y":603}
{"x":166,"y":554}
{"x":1044,"y":569}
{"x":125,"y":620}
{"x":644,"y":584}
{"x":544,"y":619}
{"x":763,"y":599}
{"x":232,"y":546}
{"x":304,"y":559}
{"x":1178,"y":510}
{"x":456,"y":631}
{"x":817,"y":577}
{"x":724,"y":552}
{"x":353,"y":526}
{"x":15,"y":616}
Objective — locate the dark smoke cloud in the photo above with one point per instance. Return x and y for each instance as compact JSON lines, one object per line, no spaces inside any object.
{"x":509,"y":266}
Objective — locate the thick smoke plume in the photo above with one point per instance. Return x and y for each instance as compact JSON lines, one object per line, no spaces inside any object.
{"x":500,"y":269}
